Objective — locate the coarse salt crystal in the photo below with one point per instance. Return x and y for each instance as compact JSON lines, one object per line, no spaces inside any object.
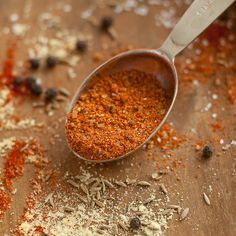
{"x":142,"y":10}
{"x":233,"y":142}
{"x":19,"y":29}
{"x":195,"y":82}
{"x":214,"y":96}
{"x":208,"y":107}
{"x":214,"y":115}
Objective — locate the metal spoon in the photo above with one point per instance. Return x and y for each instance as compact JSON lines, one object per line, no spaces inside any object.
{"x":197,"y":17}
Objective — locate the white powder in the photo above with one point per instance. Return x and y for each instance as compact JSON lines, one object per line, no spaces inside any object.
{"x":6,"y":144}
{"x":7,"y":110}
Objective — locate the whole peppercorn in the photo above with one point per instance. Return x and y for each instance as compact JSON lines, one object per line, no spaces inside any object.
{"x":36,"y":89}
{"x":106,"y":22}
{"x":51,"y":62}
{"x":135,"y":223}
{"x":207,"y":152}
{"x":34,"y":63}
{"x":81,"y":46}
{"x":50,"y":94}
{"x":18,"y":81}
{"x":30,"y":80}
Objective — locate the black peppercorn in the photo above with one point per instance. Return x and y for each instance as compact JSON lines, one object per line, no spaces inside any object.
{"x":135,"y":223}
{"x":50,"y":94}
{"x":81,"y":46}
{"x":51,"y":62}
{"x":106,"y":22}
{"x":36,"y":89}
{"x":34,"y":63}
{"x":207,"y":152}
{"x":30,"y":80}
{"x":18,"y":81}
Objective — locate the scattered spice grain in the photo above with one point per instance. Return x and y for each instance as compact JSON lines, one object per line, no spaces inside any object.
{"x":34,"y":63}
{"x":207,"y":152}
{"x":106,"y":22}
{"x":81,"y":46}
{"x":18,"y":81}
{"x":184,"y":214}
{"x":206,"y":199}
{"x":51,"y":62}
{"x":135,"y":223}
{"x":50,"y":94}
{"x":144,"y":183}
{"x":115,"y":115}
{"x":163,"y":188}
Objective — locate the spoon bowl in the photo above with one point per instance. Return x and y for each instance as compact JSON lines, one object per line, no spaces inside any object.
{"x":153,"y":62}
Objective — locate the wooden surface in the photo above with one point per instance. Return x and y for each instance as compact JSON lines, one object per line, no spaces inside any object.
{"x":195,"y":175}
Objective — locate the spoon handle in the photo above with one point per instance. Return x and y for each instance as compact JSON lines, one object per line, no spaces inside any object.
{"x":198,"y":17}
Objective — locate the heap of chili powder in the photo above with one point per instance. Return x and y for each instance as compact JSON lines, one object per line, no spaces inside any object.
{"x":115,"y":115}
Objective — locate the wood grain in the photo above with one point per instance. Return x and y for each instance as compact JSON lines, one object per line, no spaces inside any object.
{"x":195,"y":175}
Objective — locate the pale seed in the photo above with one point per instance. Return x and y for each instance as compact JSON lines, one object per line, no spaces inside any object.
{"x":73,"y":183}
{"x":184,"y":214}
{"x":206,"y":199}
{"x":143,"y":183}
{"x":163,"y":188}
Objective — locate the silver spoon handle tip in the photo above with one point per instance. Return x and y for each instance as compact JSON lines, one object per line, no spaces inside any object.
{"x":195,"y":20}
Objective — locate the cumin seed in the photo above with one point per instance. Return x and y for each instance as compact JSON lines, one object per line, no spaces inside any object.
{"x":120,"y":183}
{"x":163,"y":188}
{"x":206,"y":199}
{"x":73,"y":183}
{"x":100,"y":204}
{"x":84,"y":189}
{"x":68,"y":209}
{"x":122,"y":225}
{"x":144,"y":183}
{"x":184,"y":214}
{"x":108,"y":183}
{"x":149,"y":200}
{"x":81,"y":198}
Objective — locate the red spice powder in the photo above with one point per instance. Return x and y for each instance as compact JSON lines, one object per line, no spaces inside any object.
{"x":14,"y":165}
{"x":216,"y":126}
{"x":215,"y":32}
{"x":115,"y":115}
{"x":12,"y":169}
{"x":166,"y":138}
{"x":6,"y":78}
{"x":4,"y":202}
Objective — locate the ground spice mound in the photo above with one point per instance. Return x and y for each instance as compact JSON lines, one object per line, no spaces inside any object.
{"x":115,"y":114}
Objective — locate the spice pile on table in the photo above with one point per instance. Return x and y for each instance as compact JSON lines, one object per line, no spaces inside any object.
{"x":115,"y":115}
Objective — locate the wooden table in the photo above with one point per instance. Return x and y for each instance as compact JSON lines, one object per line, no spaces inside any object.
{"x":195,"y":175}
